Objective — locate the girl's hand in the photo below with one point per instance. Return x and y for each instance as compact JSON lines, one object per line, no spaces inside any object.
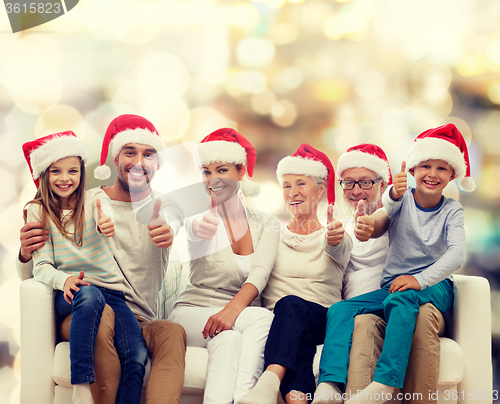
{"x":71,"y":285}
{"x":404,"y":282}
{"x":105,"y":224}
{"x":221,"y":321}
{"x":399,"y":185}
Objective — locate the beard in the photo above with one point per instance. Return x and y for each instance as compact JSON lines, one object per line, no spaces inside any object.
{"x":125,"y":186}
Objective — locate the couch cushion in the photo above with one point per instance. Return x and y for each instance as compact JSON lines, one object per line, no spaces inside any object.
{"x":196,"y":370}
{"x":451,"y":364}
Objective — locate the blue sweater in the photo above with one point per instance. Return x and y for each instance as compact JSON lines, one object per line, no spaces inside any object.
{"x":428,"y":244}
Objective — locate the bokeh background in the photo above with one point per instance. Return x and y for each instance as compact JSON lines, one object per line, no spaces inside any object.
{"x":282,"y":72}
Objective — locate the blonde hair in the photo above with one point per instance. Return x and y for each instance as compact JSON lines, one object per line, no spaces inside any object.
{"x":51,"y":206}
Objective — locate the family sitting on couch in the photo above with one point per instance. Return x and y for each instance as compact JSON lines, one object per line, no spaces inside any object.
{"x":260,"y":297}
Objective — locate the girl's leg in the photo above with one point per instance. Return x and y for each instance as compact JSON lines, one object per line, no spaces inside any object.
{"x":87,"y":307}
{"x":131,"y":349}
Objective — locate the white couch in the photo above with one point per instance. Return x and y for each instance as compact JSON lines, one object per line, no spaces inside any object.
{"x":465,"y":372}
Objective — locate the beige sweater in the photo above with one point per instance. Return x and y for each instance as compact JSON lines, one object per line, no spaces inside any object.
{"x":216,"y":277}
{"x":306,"y":266}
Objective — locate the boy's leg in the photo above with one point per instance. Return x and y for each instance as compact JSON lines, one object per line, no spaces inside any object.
{"x":400,"y":310}
{"x":340,"y":324}
{"x":106,"y":362}
{"x":87,"y":306}
{"x":367,"y":342}
{"x":166,"y":342}
{"x":423,"y":365}
{"x":131,"y":349}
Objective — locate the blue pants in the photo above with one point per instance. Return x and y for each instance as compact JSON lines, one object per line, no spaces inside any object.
{"x":399,"y":310}
{"x":87,"y":307}
{"x":298,"y":326}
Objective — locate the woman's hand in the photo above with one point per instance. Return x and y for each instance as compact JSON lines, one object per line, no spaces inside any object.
{"x":221,"y":321}
{"x":71,"y":284}
{"x":404,"y":282}
{"x":207,"y":227}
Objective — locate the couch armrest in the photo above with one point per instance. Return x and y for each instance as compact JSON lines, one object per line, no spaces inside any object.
{"x":38,"y":338}
{"x":471,"y":329}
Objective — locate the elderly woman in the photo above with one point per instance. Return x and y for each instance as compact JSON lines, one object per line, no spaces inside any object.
{"x":232,"y":251}
{"x":305,"y":282}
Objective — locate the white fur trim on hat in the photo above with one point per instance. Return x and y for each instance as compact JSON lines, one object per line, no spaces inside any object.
{"x":102,"y":172}
{"x":355,"y":158}
{"x":56,"y":149}
{"x":300,"y":166}
{"x":249,"y":187}
{"x":220,"y":151}
{"x":139,"y":136}
{"x":436,"y":149}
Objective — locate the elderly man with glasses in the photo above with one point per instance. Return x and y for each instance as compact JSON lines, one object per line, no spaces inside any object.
{"x":364,"y":174}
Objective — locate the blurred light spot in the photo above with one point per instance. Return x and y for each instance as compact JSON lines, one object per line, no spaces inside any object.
{"x":244,"y":15}
{"x":203,"y":121}
{"x":486,"y":133}
{"x":271,"y":3}
{"x":170,"y":116}
{"x":59,"y":119}
{"x":9,"y":184}
{"x":130,"y":22}
{"x":251,"y":81}
{"x":310,"y":15}
{"x":370,"y":84}
{"x":431,"y":112}
{"x":288,"y":79}
{"x":284,"y":113}
{"x":270,"y":199}
{"x":489,"y":175}
{"x":430,"y":79}
{"x":162,"y":73}
{"x":451,"y":191}
{"x":39,"y":96}
{"x":494,"y":93}
{"x":29,"y":189}
{"x":331,"y":90}
{"x":12,"y":219}
{"x":284,"y":33}
{"x":9,"y":299}
{"x":472,"y":65}
{"x":34,"y":58}
{"x":255,"y":52}
{"x":263,"y":102}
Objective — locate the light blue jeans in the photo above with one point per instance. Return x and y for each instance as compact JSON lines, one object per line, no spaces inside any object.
{"x":88,"y":304}
{"x":399,"y":310}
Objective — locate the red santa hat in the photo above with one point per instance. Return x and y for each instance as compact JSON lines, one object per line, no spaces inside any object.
{"x":41,"y":153}
{"x":225,"y":145}
{"x":311,"y":162}
{"x":126,"y":129}
{"x":443,"y":143}
{"x":367,"y":156}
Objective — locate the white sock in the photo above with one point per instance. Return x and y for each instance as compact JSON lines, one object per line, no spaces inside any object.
{"x":265,"y":390}
{"x":374,"y":393}
{"x":81,"y":394}
{"x":327,"y":393}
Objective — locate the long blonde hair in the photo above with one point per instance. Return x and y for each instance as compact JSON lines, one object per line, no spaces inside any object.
{"x":51,"y":206}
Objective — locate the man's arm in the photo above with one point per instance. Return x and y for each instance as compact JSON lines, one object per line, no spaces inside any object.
{"x":371,"y":226}
{"x":32,"y":237}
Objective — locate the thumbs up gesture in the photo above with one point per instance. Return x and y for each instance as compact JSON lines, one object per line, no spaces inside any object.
{"x":104,"y":223}
{"x":334,"y":229}
{"x":159,"y":230}
{"x":365,"y":224}
{"x":399,"y":185}
{"x":207,"y":226}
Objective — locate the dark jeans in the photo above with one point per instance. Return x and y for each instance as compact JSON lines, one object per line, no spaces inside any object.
{"x":298,"y":327}
{"x":87,"y":307}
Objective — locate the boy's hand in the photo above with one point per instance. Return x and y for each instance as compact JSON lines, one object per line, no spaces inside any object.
{"x":404,"y":282}
{"x":71,"y":284}
{"x":159,"y":230}
{"x":334,"y":229}
{"x":399,"y":183}
{"x":32,"y":236}
{"x":104,"y":223}
{"x":365,"y":225}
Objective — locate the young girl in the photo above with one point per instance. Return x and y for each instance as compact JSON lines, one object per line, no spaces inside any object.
{"x":79,"y":223}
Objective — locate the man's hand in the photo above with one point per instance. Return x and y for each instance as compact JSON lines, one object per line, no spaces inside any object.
{"x":159,"y":230}
{"x":399,"y":183}
{"x":32,"y":236}
{"x":365,"y":225}
{"x":334,"y":229}
{"x":404,"y":282}
{"x":221,"y":321}
{"x":71,"y":284}
{"x":105,"y":224}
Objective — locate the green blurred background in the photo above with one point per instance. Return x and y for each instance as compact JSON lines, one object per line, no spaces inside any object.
{"x":282,"y":72}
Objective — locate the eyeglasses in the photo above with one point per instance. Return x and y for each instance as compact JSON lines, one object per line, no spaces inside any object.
{"x":363,"y":184}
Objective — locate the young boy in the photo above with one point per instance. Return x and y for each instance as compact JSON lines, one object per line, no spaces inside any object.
{"x":427,"y":244}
